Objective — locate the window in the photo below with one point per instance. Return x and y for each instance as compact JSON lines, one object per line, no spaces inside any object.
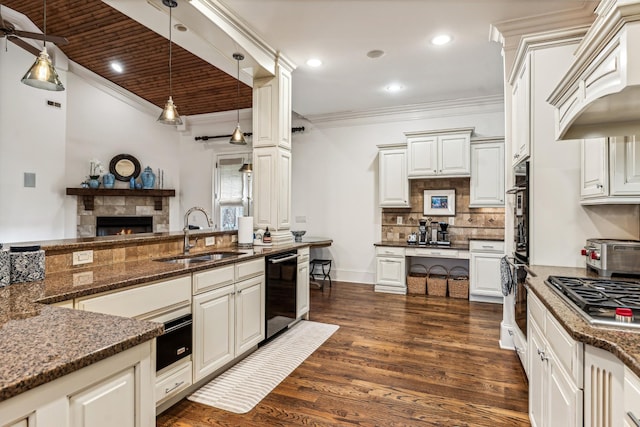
{"x":230,"y":190}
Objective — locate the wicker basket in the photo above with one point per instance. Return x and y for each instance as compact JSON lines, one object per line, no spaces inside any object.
{"x":437,"y":280}
{"x":459,"y":282}
{"x":417,"y":280}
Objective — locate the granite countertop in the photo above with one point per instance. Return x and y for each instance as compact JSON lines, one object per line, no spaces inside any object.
{"x":41,"y":342}
{"x":623,"y":343}
{"x":404,"y":244}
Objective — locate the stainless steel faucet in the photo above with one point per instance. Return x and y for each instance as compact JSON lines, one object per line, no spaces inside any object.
{"x":187,"y":245}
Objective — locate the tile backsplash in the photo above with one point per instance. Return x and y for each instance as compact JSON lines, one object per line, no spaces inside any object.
{"x":468,"y":223}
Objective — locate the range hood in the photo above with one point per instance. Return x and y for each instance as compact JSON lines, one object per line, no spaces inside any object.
{"x":600,"y":94}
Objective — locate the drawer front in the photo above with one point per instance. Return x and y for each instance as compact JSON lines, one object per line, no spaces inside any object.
{"x":486,"y":246}
{"x":303,"y":255}
{"x":142,"y":301}
{"x":536,"y":311}
{"x":568,"y":352}
{"x":211,"y":279}
{"x":388,"y":251}
{"x":173,"y":381}
{"x":438,"y":253}
{"x":631,"y":396}
{"x":248,"y":269}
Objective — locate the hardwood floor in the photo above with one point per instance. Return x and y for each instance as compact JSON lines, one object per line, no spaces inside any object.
{"x":395,"y":361}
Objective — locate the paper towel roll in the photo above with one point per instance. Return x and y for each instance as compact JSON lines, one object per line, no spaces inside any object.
{"x":245,"y":230}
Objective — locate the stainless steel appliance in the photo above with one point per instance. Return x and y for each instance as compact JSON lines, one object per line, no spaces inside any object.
{"x":280,"y":291}
{"x":422,"y":232}
{"x":175,"y":343}
{"x":521,"y":213}
{"x":608,"y":256}
{"x":601,"y":301}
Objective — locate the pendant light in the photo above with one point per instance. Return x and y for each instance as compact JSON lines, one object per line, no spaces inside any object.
{"x":42,"y":74}
{"x":238,"y":137}
{"x":169,"y":115}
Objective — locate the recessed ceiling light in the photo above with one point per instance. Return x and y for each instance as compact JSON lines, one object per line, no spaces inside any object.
{"x":314,"y":62}
{"x":375,"y":53}
{"x":180,"y":27}
{"x":394,"y":87}
{"x":117,"y":67}
{"x":441,"y":39}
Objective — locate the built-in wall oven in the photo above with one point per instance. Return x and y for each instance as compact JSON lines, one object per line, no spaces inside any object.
{"x":280,"y":291}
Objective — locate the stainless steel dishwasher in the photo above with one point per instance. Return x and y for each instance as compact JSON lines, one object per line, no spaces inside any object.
{"x":280,"y":293}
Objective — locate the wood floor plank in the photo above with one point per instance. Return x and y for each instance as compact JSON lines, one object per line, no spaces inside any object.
{"x":395,"y":361}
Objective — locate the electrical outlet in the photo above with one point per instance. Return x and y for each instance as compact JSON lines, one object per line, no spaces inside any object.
{"x":301,"y":219}
{"x":399,"y":220}
{"x":210,"y":241}
{"x":84,"y":278}
{"x":83,"y":257}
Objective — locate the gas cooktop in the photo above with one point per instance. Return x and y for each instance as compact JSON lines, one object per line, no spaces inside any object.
{"x":601,"y":301}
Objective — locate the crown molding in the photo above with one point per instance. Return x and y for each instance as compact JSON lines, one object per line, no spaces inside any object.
{"x":454,"y":107}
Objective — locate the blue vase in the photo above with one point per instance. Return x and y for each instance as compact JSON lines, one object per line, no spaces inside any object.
{"x":148,"y":178}
{"x":93,"y":181}
{"x":108,"y":180}
{"x":132,"y":183}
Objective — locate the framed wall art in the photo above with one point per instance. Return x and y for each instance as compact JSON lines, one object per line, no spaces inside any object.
{"x":440,"y":202}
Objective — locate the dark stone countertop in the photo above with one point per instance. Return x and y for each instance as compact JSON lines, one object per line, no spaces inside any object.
{"x":623,"y":343}
{"x":404,"y":244}
{"x":41,"y":343}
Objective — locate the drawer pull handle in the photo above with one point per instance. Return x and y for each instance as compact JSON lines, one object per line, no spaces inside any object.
{"x":510,"y":332}
{"x":169,"y":390}
{"x":487,"y":246}
{"x":634,"y":418}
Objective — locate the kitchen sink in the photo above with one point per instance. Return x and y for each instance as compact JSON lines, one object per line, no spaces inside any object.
{"x":196,"y":258}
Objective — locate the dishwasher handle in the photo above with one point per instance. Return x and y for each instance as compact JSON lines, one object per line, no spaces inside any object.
{"x":283,"y":259}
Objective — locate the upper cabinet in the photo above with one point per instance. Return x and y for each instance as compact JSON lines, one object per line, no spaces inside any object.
{"x":521,"y":112}
{"x":393,"y":184}
{"x":610,"y":171}
{"x":439,"y":153}
{"x":597,"y":97}
{"x":487,"y":173}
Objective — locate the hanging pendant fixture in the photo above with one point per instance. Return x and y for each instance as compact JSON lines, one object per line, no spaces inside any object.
{"x":169,"y":115}
{"x":237,"y":137}
{"x":42,"y":74}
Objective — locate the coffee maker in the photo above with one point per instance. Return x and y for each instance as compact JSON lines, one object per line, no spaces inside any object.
{"x":443,"y":234}
{"x":422,"y":232}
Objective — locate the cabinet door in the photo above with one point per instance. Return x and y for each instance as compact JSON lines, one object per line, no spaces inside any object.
{"x":284,"y":189}
{"x":487,"y":175}
{"x":302,"y":295}
{"x":625,"y":166}
{"x":631,"y":399}
{"x":249,"y":314}
{"x":537,"y":375}
{"x":594,"y":167}
{"x":603,"y":388}
{"x":453,"y":155}
{"x":393,"y":182}
{"x":213,"y":341}
{"x":390,"y":271}
{"x":423,"y":156}
{"x":564,"y":399}
{"x":520,"y":109}
{"x":265,"y":182}
{"x":109,"y":403}
{"x":484,"y":271}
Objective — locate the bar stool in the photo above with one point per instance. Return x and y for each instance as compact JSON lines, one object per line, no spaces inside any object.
{"x":322,"y":263}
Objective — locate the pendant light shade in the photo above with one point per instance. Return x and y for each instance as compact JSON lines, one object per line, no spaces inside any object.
{"x":42,"y":74}
{"x":237,"y":137}
{"x":169,"y":115}
{"x":246,"y":168}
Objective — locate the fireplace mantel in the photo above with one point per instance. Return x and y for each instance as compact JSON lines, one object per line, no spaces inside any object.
{"x":88,"y":194}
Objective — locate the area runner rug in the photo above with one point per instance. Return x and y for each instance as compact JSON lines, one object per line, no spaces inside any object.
{"x":245,"y":384}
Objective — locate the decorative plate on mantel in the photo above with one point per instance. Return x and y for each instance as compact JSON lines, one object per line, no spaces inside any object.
{"x":124,"y":167}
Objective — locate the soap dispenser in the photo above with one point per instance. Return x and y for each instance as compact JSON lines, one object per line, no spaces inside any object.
{"x":267,"y":236}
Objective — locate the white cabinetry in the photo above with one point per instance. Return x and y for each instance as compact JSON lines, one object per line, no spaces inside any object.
{"x":487,"y":173}
{"x":272,"y":188}
{"x":484,"y":270}
{"x":555,"y":370}
{"x":521,"y":111}
{"x":631,"y":399}
{"x":393,"y":184}
{"x":302,"y":281}
{"x":439,"y":153}
{"x":390,"y":270}
{"x":603,"y":388}
{"x":228,"y":318}
{"x":610,"y":171}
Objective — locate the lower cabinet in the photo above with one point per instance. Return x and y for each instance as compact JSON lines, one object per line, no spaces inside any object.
{"x":117,"y":391}
{"x":390,"y":270}
{"x":302,"y":281}
{"x":603,"y":388}
{"x":631,"y":409}
{"x":484,"y":270}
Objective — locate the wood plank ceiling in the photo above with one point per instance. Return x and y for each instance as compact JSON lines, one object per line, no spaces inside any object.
{"x":99,"y":34}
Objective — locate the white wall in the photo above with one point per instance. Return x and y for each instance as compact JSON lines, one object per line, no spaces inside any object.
{"x":335,"y":169}
{"x":32,"y":139}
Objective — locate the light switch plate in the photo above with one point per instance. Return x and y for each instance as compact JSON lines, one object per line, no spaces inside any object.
{"x":399,"y":220}
{"x":210,"y":241}
{"x":83,"y":257}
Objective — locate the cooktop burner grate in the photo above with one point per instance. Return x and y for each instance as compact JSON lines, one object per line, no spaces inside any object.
{"x":598,"y":295}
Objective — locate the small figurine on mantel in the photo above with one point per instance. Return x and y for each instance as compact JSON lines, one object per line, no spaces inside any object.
{"x":148,"y":178}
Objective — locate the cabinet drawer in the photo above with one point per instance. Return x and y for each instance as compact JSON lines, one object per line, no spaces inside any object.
{"x":631,"y":395}
{"x":303,"y":255}
{"x":486,"y":246}
{"x":211,"y":279}
{"x":173,"y":381}
{"x":142,"y":301}
{"x":245,"y":270}
{"x":438,"y":253}
{"x":536,"y":310}
{"x":389,"y":251}
{"x":568,"y":352}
